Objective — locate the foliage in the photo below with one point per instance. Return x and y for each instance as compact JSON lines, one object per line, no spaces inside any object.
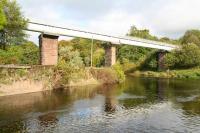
{"x":112,"y":75}
{"x":191,"y":36}
{"x":131,"y":53}
{"x":149,"y":62}
{"x":105,"y":75}
{"x":27,"y":53}
{"x":30,"y":54}
{"x":72,"y":57}
{"x":16,"y":22}
{"x":128,"y":66}
{"x":177,"y":74}
{"x":70,"y":63}
{"x":187,"y":57}
{"x":141,"y":33}
{"x":136,"y":55}
{"x":84,"y":48}
{"x":98,"y":57}
{"x":2,"y":17}
{"x":119,"y":72}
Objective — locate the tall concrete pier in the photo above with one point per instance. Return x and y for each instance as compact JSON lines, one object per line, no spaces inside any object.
{"x":110,"y":57}
{"x":161,"y":60}
{"x":48,"y":49}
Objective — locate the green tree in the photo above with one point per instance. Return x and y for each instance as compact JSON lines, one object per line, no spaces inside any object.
{"x":84,"y":48}
{"x":70,"y":63}
{"x":2,"y":17}
{"x":145,"y":34}
{"x":187,"y":57}
{"x":191,"y":36}
{"x":2,"y":24}
{"x":16,"y":22}
{"x":27,"y":53}
{"x":30,"y":53}
{"x":132,"y":53}
{"x":98,"y":57}
{"x":72,"y":57}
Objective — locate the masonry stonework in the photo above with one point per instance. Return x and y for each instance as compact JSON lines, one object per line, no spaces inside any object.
{"x":161,"y":61}
{"x":110,"y":57}
{"x":48,"y":49}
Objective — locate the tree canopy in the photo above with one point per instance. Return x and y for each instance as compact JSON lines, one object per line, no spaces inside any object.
{"x":2,"y":17}
{"x":144,"y":33}
{"x":13,"y":22}
{"x":191,"y":36}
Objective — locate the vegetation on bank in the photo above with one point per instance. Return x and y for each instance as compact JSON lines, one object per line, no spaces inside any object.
{"x":176,"y":74}
{"x":75,"y":54}
{"x":57,"y":77}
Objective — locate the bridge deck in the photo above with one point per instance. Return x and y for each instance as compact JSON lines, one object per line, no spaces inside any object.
{"x":60,"y":31}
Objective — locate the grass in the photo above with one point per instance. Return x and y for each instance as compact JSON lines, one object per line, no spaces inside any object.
{"x":53,"y":79}
{"x":178,"y":74}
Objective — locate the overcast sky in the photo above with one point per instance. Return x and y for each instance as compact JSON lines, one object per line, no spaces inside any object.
{"x":169,"y":18}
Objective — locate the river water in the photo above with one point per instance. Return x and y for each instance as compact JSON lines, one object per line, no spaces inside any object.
{"x":139,"y":105}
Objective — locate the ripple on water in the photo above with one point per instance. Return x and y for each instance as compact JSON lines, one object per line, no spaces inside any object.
{"x":142,"y":105}
{"x":128,"y":96}
{"x":187,"y":99}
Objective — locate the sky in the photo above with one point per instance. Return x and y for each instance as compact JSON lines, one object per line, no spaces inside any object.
{"x":169,"y":18}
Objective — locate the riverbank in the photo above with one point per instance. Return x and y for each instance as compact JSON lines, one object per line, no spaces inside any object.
{"x":176,"y":74}
{"x":40,"y":78}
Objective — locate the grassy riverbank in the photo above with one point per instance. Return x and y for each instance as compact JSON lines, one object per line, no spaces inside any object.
{"x":178,"y":74}
{"x":40,"y":78}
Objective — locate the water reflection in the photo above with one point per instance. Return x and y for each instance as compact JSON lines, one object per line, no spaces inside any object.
{"x":110,"y":99}
{"x":139,"y":104}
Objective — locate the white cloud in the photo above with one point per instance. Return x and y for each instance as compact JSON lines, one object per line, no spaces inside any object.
{"x":173,"y":17}
{"x":164,"y":18}
{"x":114,"y":23}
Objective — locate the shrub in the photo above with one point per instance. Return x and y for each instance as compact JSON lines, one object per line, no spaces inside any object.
{"x":187,"y":57}
{"x":27,"y":53}
{"x":69,"y":65}
{"x":105,"y":75}
{"x":119,"y":72}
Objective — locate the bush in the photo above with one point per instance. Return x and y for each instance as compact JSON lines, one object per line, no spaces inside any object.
{"x":119,"y":72}
{"x":98,"y":57}
{"x":105,"y":75}
{"x":187,"y":57}
{"x":69,"y":65}
{"x":27,"y":53}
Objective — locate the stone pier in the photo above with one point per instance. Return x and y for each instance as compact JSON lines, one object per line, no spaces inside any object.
{"x":110,"y":55}
{"x":160,"y":60}
{"x":48,"y":49}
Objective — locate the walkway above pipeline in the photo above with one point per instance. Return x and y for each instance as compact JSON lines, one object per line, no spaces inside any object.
{"x":134,"y":41}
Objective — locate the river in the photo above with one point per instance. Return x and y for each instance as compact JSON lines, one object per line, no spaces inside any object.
{"x":138,"y":105}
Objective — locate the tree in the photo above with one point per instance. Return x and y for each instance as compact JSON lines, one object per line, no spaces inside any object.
{"x":191,"y":36}
{"x":84,"y":48}
{"x":16,"y":22}
{"x":70,"y":63}
{"x":98,"y":57}
{"x":141,"y":33}
{"x":27,"y":53}
{"x":187,"y":57}
{"x":2,"y":17}
{"x":30,"y":53}
{"x":2,"y":24}
{"x":133,"y":54}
